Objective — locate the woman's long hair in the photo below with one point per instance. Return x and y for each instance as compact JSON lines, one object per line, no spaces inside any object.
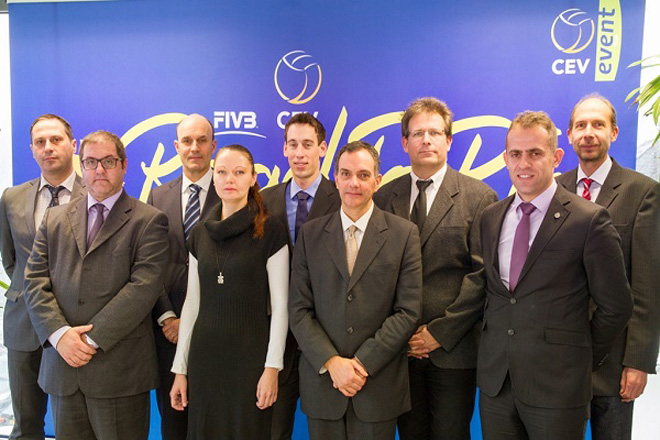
{"x":253,"y":193}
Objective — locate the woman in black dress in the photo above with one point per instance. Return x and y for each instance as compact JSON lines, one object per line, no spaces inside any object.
{"x":234,"y":320}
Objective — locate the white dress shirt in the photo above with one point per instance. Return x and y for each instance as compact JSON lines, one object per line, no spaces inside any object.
{"x":431,"y":190}
{"x":598,"y":178}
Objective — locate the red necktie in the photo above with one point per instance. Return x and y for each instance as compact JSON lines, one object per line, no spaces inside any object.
{"x":587,"y":184}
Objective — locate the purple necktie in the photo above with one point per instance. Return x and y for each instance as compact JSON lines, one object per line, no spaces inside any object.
{"x":96,"y":227}
{"x":301,"y":211}
{"x":520,"y":245}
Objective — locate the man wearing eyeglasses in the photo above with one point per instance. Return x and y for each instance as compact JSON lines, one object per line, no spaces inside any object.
{"x":185,"y":200}
{"x":21,"y":209}
{"x":447,"y":208}
{"x":92,"y":279}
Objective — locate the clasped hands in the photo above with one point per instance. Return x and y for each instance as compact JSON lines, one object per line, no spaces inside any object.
{"x":348,"y":375}
{"x":73,"y":346}
{"x":422,"y":343}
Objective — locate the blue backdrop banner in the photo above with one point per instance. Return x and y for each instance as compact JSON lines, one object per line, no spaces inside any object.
{"x":136,"y":67}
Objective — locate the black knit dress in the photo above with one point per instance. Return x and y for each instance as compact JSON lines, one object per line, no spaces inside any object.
{"x":230,"y":337}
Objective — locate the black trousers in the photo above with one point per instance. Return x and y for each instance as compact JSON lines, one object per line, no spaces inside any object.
{"x":28,"y":400}
{"x":442,"y":402}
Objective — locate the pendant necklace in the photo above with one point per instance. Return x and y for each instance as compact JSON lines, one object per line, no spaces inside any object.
{"x":221,"y":269}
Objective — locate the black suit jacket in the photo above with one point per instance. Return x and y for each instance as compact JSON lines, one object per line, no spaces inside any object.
{"x":325,"y":201}
{"x":369,"y":314}
{"x":452,"y":303}
{"x":167,"y":198}
{"x":633,"y":201}
{"x":541,"y":334}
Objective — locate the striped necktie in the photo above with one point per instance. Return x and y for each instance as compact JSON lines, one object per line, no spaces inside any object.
{"x":192,"y":210}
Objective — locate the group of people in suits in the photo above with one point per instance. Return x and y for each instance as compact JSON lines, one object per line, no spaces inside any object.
{"x":400,"y":300}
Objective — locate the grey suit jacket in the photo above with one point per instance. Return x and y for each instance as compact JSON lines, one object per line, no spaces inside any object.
{"x":633,"y":201}
{"x":113,"y":286}
{"x":167,"y":198}
{"x":452,"y":302}
{"x":541,"y":334}
{"x":325,"y":201}
{"x":16,"y":238}
{"x":370,"y":314}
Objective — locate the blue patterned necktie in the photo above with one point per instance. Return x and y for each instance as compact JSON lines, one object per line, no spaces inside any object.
{"x":192,"y":210}
{"x":301,"y":211}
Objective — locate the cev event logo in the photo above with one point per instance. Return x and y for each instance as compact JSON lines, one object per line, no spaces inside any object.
{"x":299,"y":75}
{"x":572,"y":31}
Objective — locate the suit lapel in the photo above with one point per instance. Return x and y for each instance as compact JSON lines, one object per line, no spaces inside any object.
{"x":569,"y":180}
{"x":78,"y":221}
{"x":117,"y":217}
{"x":323,"y":202}
{"x":554,"y":218}
{"x":495,"y":231}
{"x":172,"y":205}
{"x":609,"y":192}
{"x":29,"y":207}
{"x":334,"y":242}
{"x":212,"y":199}
{"x":372,"y":241}
{"x":441,"y":205}
{"x":78,"y":189}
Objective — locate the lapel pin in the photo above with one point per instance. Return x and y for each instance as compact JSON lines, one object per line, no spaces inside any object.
{"x":557,"y":215}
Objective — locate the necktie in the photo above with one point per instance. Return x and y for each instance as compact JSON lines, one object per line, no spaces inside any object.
{"x":418,"y":214}
{"x":301,"y":211}
{"x":98,"y":222}
{"x":520,"y":245}
{"x":351,"y":248}
{"x":54,"y":195}
{"x":192,"y":210}
{"x":587,"y":184}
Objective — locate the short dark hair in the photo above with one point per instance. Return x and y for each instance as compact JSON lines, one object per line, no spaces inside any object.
{"x":427,"y":105}
{"x":306,"y":118}
{"x":357,"y":146}
{"x":531,"y":119}
{"x":600,"y":97}
{"x":65,"y":123}
{"x":103,"y":136}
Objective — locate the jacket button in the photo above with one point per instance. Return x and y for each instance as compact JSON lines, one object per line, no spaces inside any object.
{"x":81,"y":302}
{"x":349,"y":330}
{"x":513,"y":301}
{"x":349,"y":297}
{"x":511,"y":332}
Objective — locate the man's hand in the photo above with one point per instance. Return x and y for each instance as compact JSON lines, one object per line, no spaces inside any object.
{"x":73,"y":346}
{"x":179,"y":392}
{"x":348,"y":375}
{"x":633,"y":383}
{"x":267,"y":388}
{"x":171,"y":329}
{"x":422,"y":343}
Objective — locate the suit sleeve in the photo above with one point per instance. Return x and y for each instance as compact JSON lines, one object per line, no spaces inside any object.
{"x":461,"y":316}
{"x":644,"y":326}
{"x":136,"y":299}
{"x":312,"y":338}
{"x":163,"y":304}
{"x":6,"y":240}
{"x":44,"y":311}
{"x":608,"y":285}
{"x":393,"y":335}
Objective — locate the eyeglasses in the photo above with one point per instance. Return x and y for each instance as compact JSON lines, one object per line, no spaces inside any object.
{"x":433,"y":134}
{"x":108,"y":163}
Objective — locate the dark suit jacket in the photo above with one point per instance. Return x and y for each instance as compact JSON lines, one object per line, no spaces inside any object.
{"x":633,"y":201}
{"x":370,"y":314}
{"x":16,"y":238}
{"x":452,"y":302}
{"x":113,"y":286}
{"x":167,"y":198}
{"x":541,"y":334}
{"x":326,"y":201}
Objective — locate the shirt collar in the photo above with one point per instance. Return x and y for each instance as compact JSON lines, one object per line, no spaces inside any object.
{"x":311,"y":190}
{"x":361,"y":223}
{"x":436,"y":179}
{"x":599,"y":175}
{"x":204,"y":182}
{"x":108,"y":203}
{"x":68,"y":182}
{"x":540,"y":202}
